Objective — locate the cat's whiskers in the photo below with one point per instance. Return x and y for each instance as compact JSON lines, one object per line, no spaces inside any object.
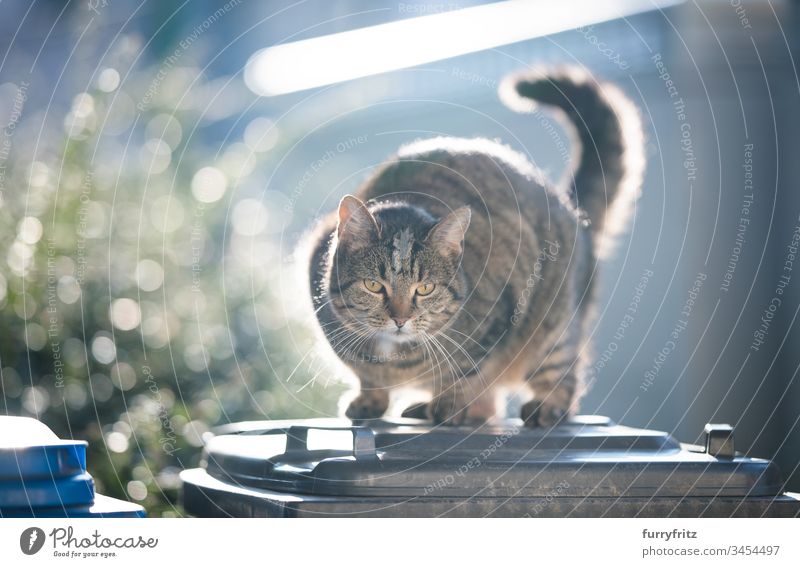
{"x":318,"y":309}
{"x":474,"y":364}
{"x":345,"y":334}
{"x":466,"y":336}
{"x":329,"y":323}
{"x":311,"y":381}
{"x":433,"y":361}
{"x":462,"y":383}
{"x":344,"y":345}
{"x":354,"y":344}
{"x":455,"y":371}
{"x":359,"y":325}
{"x":363,"y":342}
{"x":426,"y":354}
{"x":299,"y":363}
{"x":337,"y":337}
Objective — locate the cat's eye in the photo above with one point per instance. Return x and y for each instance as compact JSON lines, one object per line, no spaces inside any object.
{"x":425,"y":288}
{"x":373,"y":286}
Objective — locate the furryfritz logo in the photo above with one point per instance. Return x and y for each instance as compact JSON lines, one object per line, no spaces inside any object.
{"x":31,"y":540}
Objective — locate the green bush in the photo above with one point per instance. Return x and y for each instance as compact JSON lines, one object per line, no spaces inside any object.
{"x":141,"y":296}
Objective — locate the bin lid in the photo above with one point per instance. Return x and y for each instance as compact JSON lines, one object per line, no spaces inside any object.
{"x":44,"y":476}
{"x":103,"y":507}
{"x":587,"y":456}
{"x":30,"y":450}
{"x":74,"y":490}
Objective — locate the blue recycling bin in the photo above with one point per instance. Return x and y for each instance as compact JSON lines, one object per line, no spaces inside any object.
{"x":42,"y":476}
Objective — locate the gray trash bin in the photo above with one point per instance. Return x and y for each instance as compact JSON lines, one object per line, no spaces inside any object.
{"x":589,"y":467}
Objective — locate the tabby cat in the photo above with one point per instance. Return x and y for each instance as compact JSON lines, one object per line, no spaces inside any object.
{"x":458,"y":270}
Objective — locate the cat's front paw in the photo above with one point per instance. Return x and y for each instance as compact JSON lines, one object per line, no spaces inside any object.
{"x":543,"y":414}
{"x":447,"y":411}
{"x":368,"y":405}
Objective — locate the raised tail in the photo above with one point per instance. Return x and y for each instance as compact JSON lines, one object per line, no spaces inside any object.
{"x":607,"y":140}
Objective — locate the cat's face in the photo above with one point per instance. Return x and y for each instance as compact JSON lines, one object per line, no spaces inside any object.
{"x":395,"y":274}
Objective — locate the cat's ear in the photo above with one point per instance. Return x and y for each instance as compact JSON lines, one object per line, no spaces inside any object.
{"x":447,"y":237}
{"x":357,"y":227}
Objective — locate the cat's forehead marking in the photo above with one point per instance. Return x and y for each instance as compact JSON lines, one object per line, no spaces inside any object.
{"x":401,"y":254}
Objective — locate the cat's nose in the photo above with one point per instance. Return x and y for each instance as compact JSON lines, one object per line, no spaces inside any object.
{"x":400,"y":321}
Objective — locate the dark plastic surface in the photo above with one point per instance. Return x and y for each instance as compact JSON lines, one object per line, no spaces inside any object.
{"x":207,"y":497}
{"x":319,"y":467}
{"x":410,"y":459}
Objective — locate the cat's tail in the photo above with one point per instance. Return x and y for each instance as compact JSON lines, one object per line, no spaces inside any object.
{"x":608,"y":144}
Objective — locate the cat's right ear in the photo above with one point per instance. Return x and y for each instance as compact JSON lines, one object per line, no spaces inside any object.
{"x":357,"y":227}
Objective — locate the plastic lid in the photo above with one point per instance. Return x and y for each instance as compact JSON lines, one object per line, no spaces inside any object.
{"x":40,"y":493}
{"x":30,"y":450}
{"x":590,"y":456}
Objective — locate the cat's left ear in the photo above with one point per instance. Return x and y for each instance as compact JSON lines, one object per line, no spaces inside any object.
{"x":447,"y":237}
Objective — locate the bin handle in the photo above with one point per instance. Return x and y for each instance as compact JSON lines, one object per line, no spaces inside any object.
{"x":363,"y":439}
{"x":719,"y":440}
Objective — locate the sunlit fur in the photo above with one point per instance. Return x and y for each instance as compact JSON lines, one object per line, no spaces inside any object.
{"x":512,"y":259}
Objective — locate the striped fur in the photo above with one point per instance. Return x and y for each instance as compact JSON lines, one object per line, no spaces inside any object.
{"x":512,"y":292}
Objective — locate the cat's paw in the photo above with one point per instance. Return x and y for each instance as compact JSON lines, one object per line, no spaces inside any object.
{"x":368,"y":405}
{"x":543,"y":414}
{"x":447,"y":411}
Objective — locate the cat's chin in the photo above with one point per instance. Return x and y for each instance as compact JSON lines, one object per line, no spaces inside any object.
{"x":399,"y":336}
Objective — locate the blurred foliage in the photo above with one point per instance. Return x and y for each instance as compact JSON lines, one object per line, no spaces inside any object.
{"x":141,"y":290}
